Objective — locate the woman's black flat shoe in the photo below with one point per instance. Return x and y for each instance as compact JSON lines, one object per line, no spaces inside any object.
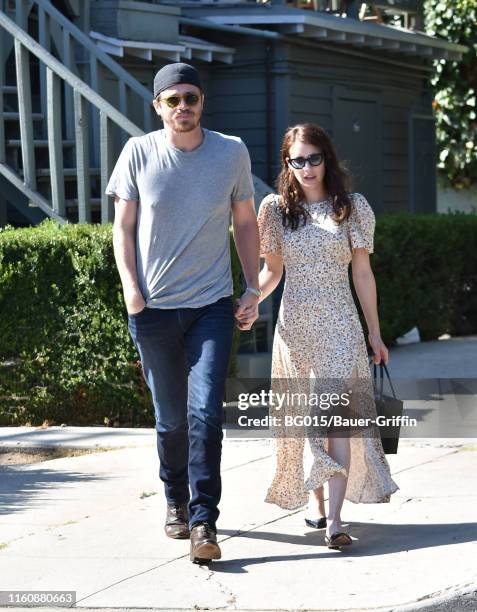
{"x":316,"y":523}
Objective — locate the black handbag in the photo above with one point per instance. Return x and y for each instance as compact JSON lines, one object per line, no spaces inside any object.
{"x":388,"y":406}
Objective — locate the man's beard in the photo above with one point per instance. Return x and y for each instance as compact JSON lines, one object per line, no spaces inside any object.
{"x":187,"y":125}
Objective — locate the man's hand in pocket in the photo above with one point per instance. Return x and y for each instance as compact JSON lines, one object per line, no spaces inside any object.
{"x":134,"y":301}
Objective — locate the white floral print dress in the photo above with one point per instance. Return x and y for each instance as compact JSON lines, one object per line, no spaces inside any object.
{"x":319,"y":335}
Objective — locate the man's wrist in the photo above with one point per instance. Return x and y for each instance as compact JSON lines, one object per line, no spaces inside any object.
{"x":131,"y":288}
{"x":254,"y":291}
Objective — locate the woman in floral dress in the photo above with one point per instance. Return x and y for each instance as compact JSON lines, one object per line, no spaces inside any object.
{"x":315,"y":228}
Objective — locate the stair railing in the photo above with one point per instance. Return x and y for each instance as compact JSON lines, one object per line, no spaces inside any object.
{"x":83,"y":94}
{"x":95,"y":64}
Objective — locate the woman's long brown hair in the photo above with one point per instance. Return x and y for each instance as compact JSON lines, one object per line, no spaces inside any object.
{"x":336,"y":180}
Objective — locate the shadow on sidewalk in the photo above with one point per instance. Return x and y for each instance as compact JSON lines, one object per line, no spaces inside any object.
{"x":21,"y":489}
{"x":371,"y":540}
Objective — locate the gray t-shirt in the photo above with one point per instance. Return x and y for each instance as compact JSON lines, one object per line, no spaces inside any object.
{"x":183,"y":214}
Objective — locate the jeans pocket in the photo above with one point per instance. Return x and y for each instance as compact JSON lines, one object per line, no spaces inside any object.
{"x":137,"y":314}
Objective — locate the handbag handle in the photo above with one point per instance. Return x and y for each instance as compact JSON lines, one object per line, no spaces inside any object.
{"x":382,"y":366}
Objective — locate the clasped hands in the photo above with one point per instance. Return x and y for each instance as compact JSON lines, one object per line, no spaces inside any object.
{"x":246,"y":310}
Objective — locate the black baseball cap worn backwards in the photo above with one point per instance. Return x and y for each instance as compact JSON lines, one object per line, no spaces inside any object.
{"x":173,"y":74}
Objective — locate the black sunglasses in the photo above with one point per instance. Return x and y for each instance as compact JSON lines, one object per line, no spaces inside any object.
{"x":299,"y":162}
{"x":190,"y":99}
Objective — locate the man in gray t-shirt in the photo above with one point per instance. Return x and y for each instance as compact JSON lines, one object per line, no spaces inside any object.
{"x":176,"y":191}
{"x":182,"y":248}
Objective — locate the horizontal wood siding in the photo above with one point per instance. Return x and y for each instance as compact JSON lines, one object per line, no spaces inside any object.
{"x":395,"y":133}
{"x":401,"y":92}
{"x":238,"y":99}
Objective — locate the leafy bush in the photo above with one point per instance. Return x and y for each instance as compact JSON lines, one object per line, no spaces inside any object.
{"x":65,"y":351}
{"x":426,"y":274}
{"x":455,"y":87}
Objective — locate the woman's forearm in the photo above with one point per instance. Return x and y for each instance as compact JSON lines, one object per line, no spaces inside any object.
{"x":365,"y":286}
{"x":268,"y":280}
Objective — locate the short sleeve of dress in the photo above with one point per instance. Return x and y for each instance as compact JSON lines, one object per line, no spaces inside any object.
{"x":269,"y":226}
{"x":361,"y":223}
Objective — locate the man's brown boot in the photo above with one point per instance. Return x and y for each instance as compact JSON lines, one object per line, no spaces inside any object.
{"x":177,"y":521}
{"x":203,"y":544}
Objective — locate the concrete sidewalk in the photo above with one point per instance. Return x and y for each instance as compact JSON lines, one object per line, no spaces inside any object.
{"x":93,"y":524}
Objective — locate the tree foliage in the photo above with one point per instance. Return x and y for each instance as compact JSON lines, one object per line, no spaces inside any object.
{"x":455,"y":87}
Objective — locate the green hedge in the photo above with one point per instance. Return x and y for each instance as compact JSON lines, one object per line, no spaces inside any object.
{"x":455,"y":90}
{"x":65,"y":350}
{"x":426,"y":274}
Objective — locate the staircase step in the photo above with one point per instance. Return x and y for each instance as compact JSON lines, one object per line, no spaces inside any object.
{"x":9,"y":116}
{"x":38,"y":143}
{"x":67,"y":172}
{"x":72,"y":204}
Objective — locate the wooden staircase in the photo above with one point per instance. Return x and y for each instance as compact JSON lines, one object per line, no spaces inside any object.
{"x":59,"y":136}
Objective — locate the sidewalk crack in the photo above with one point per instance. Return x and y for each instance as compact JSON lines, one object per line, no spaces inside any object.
{"x":412,"y":467}
{"x":231,"y":597}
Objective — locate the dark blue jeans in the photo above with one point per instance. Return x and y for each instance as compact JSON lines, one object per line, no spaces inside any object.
{"x":185,"y":355}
